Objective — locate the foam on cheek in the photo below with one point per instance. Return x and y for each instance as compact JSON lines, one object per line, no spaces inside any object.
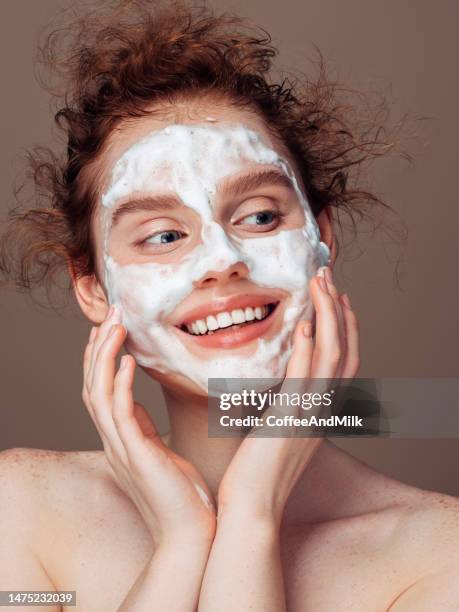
{"x":194,"y":159}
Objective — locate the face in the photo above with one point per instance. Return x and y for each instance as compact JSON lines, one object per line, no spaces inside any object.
{"x":207,"y":246}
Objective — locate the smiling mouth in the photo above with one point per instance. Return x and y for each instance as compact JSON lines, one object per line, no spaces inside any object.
{"x":228,"y":321}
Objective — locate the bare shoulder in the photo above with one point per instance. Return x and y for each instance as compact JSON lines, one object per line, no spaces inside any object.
{"x":53,"y":481}
{"x":395,"y":516}
{"x":31,"y":484}
{"x":40,"y":465}
{"x":428,"y":522}
{"x":365,"y":515}
{"x":409,"y":527}
{"x":58,"y":513}
{"x":413,"y":522}
{"x":27,"y":458}
{"x":62,"y":492}
{"x":396,"y":544}
{"x":425,"y":542}
{"x":400,"y":541}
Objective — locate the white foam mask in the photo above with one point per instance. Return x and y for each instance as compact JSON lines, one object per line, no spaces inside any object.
{"x":191,"y":160}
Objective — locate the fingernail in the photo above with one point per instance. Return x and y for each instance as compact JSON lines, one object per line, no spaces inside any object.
{"x":321,"y":279}
{"x":307,"y":329}
{"x":346,"y":301}
{"x":123,"y":362}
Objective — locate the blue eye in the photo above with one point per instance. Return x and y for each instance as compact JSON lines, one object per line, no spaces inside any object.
{"x":164,"y":237}
{"x":264,"y":217}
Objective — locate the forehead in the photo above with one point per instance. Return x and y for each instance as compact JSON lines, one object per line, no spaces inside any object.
{"x":189,"y":160}
{"x":134,"y":138}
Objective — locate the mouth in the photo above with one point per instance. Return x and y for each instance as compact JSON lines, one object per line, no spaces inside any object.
{"x":232,"y":327}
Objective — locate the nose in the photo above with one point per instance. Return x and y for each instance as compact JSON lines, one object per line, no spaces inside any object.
{"x":236,"y":271}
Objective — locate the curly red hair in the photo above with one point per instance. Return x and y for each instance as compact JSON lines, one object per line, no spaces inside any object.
{"x":117,"y":62}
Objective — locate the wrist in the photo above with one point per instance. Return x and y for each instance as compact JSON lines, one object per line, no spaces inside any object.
{"x":266,"y":512}
{"x":179,"y":556}
{"x":189,"y":539}
{"x":248,"y":521}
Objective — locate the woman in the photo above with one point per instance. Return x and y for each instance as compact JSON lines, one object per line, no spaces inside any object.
{"x":193,"y":214}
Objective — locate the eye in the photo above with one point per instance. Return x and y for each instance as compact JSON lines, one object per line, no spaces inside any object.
{"x":165,"y":237}
{"x":261,"y":219}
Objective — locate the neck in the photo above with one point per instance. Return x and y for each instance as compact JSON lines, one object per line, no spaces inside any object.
{"x":318,"y":495}
{"x":189,"y":437}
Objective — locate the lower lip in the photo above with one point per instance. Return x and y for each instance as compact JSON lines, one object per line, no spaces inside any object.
{"x":236,"y":335}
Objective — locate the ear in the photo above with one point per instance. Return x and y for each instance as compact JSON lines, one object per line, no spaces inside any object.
{"x":90,"y":296}
{"x":327,"y":234}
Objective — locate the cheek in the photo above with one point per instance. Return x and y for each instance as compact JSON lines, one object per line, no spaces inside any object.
{"x":286,"y":261}
{"x":133,"y":303}
{"x":133,"y":288}
{"x":147,"y":292}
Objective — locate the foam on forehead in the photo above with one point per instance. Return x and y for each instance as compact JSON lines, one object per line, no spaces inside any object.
{"x":192,"y":159}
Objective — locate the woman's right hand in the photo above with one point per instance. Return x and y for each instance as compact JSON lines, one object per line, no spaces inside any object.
{"x":168,"y":491}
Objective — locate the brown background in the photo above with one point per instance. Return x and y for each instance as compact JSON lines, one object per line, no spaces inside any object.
{"x":407,"y":49}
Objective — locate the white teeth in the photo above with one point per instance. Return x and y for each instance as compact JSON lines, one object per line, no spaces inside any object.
{"x":249,"y":314}
{"x":238,"y":316}
{"x":212,"y":323}
{"x":226,"y":319}
{"x":202,"y":327}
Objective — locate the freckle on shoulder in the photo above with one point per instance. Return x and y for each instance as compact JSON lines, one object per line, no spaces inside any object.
{"x":438,"y":503}
{"x":38,"y":463}
{"x":432,"y":521}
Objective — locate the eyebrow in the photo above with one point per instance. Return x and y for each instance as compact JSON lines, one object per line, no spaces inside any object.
{"x":146,"y":203}
{"x":253,"y":180}
{"x":231,"y":186}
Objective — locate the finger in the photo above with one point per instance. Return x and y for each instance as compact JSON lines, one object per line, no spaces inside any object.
{"x":298,"y":369}
{"x":124,"y":418}
{"x":147,"y":456}
{"x":89,"y":401}
{"x":104,"y":364}
{"x":113,"y":318}
{"x":352,"y":361}
{"x":101,"y":393}
{"x":327,"y":350}
{"x":299,"y":365}
{"x":86,"y":361}
{"x":339,"y":313}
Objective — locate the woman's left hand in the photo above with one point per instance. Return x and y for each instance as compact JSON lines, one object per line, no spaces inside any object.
{"x":264,"y":470}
